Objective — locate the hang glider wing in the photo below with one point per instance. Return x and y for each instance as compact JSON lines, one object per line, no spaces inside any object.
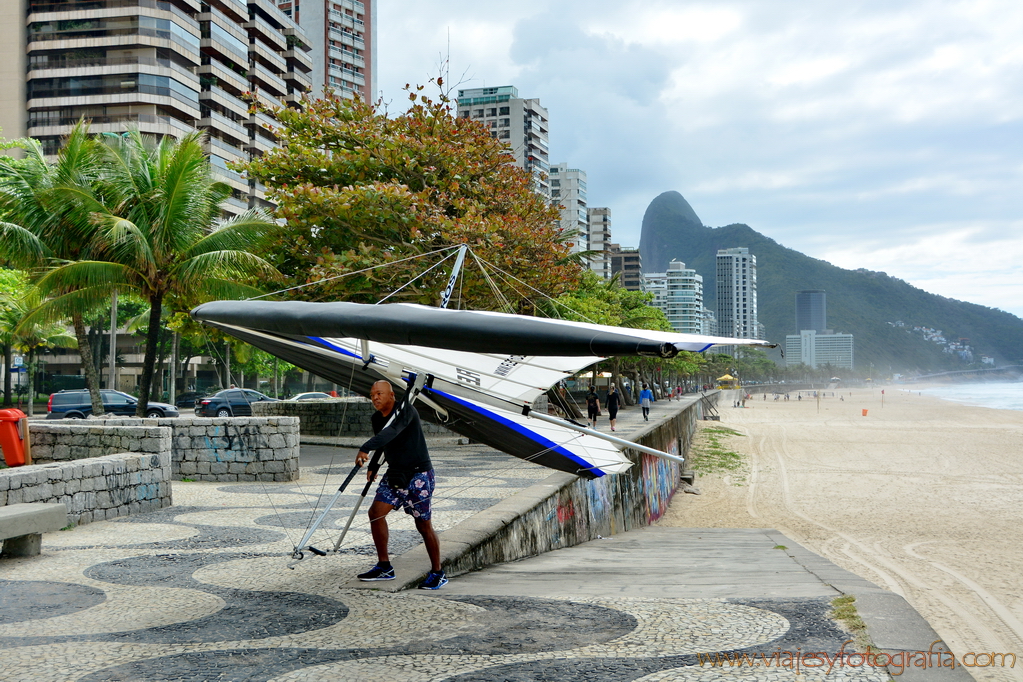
{"x":471,"y":331}
{"x":486,"y":367}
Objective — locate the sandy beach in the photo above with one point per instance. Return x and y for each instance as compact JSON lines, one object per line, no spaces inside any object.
{"x":922,"y":496}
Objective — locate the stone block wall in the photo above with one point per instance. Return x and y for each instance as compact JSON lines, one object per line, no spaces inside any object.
{"x":337,"y":417}
{"x":96,"y":488}
{"x":230,"y":448}
{"x":71,"y":439}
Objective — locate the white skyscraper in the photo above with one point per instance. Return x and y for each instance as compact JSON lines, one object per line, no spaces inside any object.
{"x":600,"y":240}
{"x":737,"y":293}
{"x":521,"y":123}
{"x":568,"y":190}
{"x":343,"y":38}
{"x":679,"y":293}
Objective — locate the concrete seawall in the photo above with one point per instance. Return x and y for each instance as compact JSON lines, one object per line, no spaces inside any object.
{"x":565,"y":510}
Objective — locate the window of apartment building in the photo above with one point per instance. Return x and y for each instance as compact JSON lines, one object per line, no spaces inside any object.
{"x":555,"y":183}
{"x":505,"y":134}
{"x":504,"y":123}
{"x":504,"y":111}
{"x":478,"y":113}
{"x":464,"y":114}
{"x":492,"y":112}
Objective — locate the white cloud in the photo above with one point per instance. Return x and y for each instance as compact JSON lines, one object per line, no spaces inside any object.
{"x":827,"y":126}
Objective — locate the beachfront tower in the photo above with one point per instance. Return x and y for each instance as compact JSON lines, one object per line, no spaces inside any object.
{"x":811,"y":310}
{"x":568,"y":191}
{"x":519,"y":123}
{"x":343,"y":38}
{"x":737,"y":293}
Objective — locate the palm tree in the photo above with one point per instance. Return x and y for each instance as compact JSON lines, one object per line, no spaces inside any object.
{"x":155,"y":209}
{"x":43,"y":230}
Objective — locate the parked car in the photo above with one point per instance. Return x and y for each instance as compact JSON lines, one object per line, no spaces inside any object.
{"x":231,"y":402}
{"x":188,"y":399}
{"x":76,"y":404}
{"x":313,"y":395}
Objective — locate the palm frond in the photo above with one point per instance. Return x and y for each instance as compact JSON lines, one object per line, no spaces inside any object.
{"x":247,"y":231}
{"x":21,"y":247}
{"x":88,"y":275}
{"x":124,"y":242}
{"x":223,"y":264}
{"x":82,"y":301}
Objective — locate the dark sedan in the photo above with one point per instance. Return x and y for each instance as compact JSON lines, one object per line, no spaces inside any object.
{"x":232,"y":402}
{"x":77,"y":404}
{"x":188,"y":399}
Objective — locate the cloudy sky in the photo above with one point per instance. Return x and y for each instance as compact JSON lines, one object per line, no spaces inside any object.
{"x":874,"y":134}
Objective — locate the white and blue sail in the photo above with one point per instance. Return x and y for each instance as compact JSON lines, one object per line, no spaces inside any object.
{"x":486,"y":368}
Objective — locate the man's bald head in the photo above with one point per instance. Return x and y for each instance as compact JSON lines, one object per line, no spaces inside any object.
{"x":381,"y":394}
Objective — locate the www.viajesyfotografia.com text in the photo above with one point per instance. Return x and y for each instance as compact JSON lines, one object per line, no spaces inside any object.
{"x":896,"y":663}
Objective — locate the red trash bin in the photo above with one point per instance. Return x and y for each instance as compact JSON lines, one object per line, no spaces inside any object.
{"x":12,"y":436}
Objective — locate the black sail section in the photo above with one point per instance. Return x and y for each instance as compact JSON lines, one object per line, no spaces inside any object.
{"x":403,"y":324}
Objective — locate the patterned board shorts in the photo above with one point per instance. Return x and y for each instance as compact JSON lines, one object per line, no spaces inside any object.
{"x":415,"y":499}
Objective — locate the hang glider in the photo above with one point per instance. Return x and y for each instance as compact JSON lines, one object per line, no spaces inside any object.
{"x":485,"y":369}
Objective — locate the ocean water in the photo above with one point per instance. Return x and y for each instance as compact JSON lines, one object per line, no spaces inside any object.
{"x":1006,"y":395}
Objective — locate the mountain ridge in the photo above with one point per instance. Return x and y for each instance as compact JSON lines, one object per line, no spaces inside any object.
{"x":861,"y":302}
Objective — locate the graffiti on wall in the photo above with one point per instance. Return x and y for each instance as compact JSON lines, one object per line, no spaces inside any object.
{"x":660,"y":479}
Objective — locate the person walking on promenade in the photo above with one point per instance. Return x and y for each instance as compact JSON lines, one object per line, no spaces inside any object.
{"x":614,"y":401}
{"x":646,"y":398}
{"x":408,"y":483}
{"x":593,"y":406}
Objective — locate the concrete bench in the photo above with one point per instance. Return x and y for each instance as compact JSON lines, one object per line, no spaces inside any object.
{"x":22,"y":526}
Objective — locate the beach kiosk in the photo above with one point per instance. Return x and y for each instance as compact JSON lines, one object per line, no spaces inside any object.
{"x":727,"y":382}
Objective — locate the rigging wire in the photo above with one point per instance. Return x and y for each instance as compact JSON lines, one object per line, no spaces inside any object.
{"x":493,"y":286}
{"x":421,"y":274}
{"x":348,"y":274}
{"x":529,"y":286}
{"x":280,"y":519}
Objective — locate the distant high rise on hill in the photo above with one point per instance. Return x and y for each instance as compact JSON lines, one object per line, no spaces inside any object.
{"x":860,"y":302}
{"x":811,"y":310}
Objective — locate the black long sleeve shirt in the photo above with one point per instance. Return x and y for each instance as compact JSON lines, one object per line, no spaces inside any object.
{"x":403,"y":443}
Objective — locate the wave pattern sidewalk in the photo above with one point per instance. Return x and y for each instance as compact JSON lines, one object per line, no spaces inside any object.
{"x":202,"y":591}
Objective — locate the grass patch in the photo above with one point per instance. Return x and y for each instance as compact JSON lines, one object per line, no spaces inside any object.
{"x":710,"y":452}
{"x":188,"y":480}
{"x":843,"y":610}
{"x":70,"y":526}
{"x":779,"y":547}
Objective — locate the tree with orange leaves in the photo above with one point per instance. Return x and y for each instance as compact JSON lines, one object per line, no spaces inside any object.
{"x":360,"y":188}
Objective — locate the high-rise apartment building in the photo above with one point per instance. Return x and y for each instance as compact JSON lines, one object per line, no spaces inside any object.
{"x":600,"y":240}
{"x":520,"y":123}
{"x":679,"y":293}
{"x":628,"y":264}
{"x":568,"y":190}
{"x":811,"y":310}
{"x":167,"y":66}
{"x":737,"y":293}
{"x":342,"y":35}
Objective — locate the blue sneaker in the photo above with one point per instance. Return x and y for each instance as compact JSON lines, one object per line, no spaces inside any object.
{"x":434,"y":581}
{"x":378,"y":572}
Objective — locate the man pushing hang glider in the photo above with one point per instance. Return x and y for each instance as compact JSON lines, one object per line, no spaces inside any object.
{"x":408,"y":483}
